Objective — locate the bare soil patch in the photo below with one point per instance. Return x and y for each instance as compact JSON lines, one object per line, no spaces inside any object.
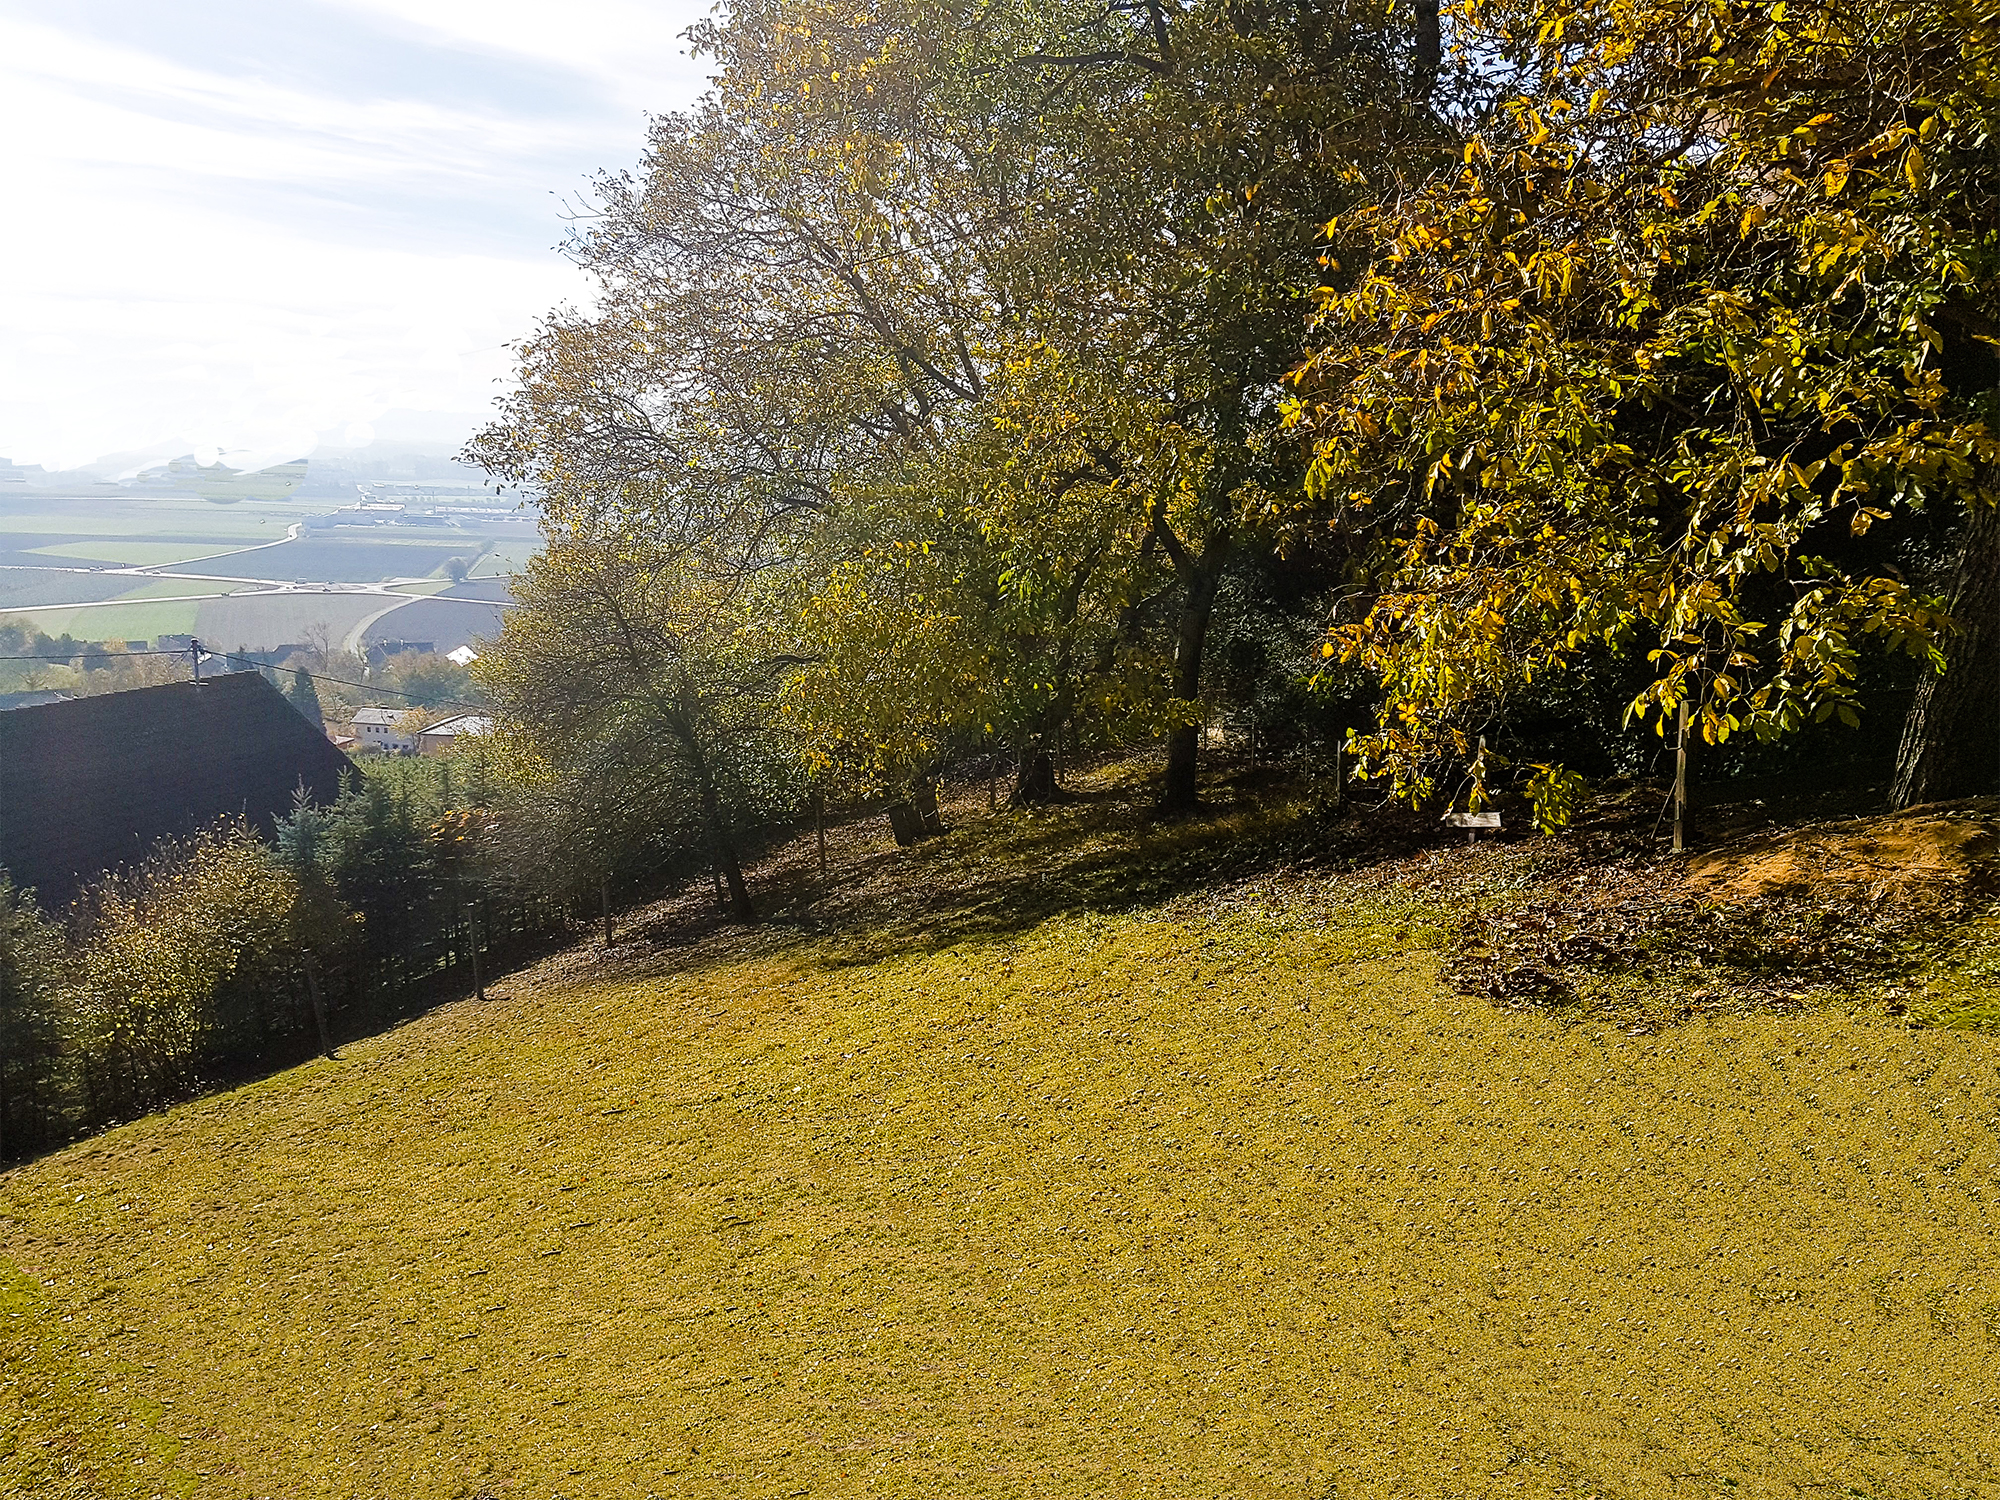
{"x":1924,"y":853}
{"x":1791,"y":906}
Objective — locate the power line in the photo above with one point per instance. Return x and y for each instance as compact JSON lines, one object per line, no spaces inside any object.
{"x":366,"y":687}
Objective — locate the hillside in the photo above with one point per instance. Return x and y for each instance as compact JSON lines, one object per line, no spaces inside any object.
{"x":1167,"y":1165}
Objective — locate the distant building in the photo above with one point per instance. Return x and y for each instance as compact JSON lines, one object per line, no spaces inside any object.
{"x":31,"y":699}
{"x":175,"y":643}
{"x":379,"y":729}
{"x":93,"y":783}
{"x":440,"y":737}
{"x":464,"y":656}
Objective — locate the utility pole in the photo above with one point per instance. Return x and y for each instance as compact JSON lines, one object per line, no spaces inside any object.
{"x":194,"y":654}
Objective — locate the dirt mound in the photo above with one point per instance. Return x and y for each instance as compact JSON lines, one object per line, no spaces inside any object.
{"x":1925,"y":850}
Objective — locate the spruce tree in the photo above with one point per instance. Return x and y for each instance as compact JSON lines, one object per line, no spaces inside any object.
{"x":305,"y":698}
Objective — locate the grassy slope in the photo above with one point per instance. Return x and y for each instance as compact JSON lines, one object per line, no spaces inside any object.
{"x":1001,"y":1195}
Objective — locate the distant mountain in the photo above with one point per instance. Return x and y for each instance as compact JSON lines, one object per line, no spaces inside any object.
{"x":219,"y":482}
{"x":185,"y":475}
{"x":402,"y":456}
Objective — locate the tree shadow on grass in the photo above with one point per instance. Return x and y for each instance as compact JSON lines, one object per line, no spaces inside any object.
{"x":997,"y":873}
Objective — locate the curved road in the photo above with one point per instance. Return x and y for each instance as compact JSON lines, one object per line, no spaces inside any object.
{"x":386,"y":588}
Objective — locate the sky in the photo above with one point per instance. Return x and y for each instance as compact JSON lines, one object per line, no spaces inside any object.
{"x":243,"y":227}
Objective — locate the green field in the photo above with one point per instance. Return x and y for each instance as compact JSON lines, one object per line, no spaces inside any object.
{"x":37,"y":587}
{"x":135,"y":554}
{"x":141,"y":619}
{"x":1024,"y":1177}
{"x":180,"y":519}
{"x":155,"y":607}
{"x":174,"y":531}
{"x":241,"y":616}
{"x":505,"y":558}
{"x":171,"y":588}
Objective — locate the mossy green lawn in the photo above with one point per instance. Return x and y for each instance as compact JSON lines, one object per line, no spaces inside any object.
{"x":1219,"y":1199}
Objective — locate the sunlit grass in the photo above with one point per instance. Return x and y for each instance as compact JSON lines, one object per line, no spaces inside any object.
{"x":1962,"y":987}
{"x":1228,"y":1197}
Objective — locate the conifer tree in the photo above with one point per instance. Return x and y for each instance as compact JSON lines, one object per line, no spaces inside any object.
{"x":305,"y":698}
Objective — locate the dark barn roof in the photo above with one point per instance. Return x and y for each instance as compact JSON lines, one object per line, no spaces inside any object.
{"x":94,"y":782}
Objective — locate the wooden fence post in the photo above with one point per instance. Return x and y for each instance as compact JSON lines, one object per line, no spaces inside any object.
{"x":472,"y":947}
{"x":1681,"y":782}
{"x":318,"y":1005}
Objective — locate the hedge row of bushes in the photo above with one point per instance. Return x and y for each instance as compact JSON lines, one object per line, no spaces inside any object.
{"x":206,"y":960}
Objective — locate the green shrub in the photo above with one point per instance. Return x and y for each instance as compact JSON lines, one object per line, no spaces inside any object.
{"x":178,"y":960}
{"x":34,"y":1096}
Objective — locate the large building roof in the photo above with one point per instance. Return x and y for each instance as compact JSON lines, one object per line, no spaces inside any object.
{"x":462,"y":724}
{"x":93,"y":783}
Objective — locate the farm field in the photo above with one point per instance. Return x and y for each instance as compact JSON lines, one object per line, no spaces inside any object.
{"x":265,"y":620}
{"x":18,"y":552}
{"x":169,"y":588}
{"x":507,"y":557}
{"x":494,"y":590}
{"x":23,"y":589}
{"x":203,"y":549}
{"x":155,"y":552}
{"x":143,"y":608}
{"x":317,"y":560}
{"x":180,"y":519}
{"x":448,"y":620}
{"x":979,"y":1178}
{"x":141,"y":619}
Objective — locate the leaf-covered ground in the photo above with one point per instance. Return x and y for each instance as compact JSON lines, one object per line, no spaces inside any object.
{"x":1157,"y":1183}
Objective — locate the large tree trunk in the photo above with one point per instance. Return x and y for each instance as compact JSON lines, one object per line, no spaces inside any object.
{"x":1034,"y":762}
{"x":1034,"y":777}
{"x":724,"y":850}
{"x":1178,"y":794}
{"x":1951,"y":739}
{"x":1429,"y":51}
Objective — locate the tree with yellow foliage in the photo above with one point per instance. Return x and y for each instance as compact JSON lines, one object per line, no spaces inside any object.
{"x":998,"y":587}
{"x":1701,"y":322}
{"x":627,"y":661}
{"x":808,"y":295}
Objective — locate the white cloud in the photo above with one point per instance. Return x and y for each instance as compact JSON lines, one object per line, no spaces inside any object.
{"x":239,"y":259}
{"x":635,"y":47}
{"x":73,"y":101}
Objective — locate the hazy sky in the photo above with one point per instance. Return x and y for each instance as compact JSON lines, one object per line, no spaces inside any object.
{"x":237,"y":224}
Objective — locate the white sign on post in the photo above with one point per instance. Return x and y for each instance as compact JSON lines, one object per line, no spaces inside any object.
{"x":1473,"y":819}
